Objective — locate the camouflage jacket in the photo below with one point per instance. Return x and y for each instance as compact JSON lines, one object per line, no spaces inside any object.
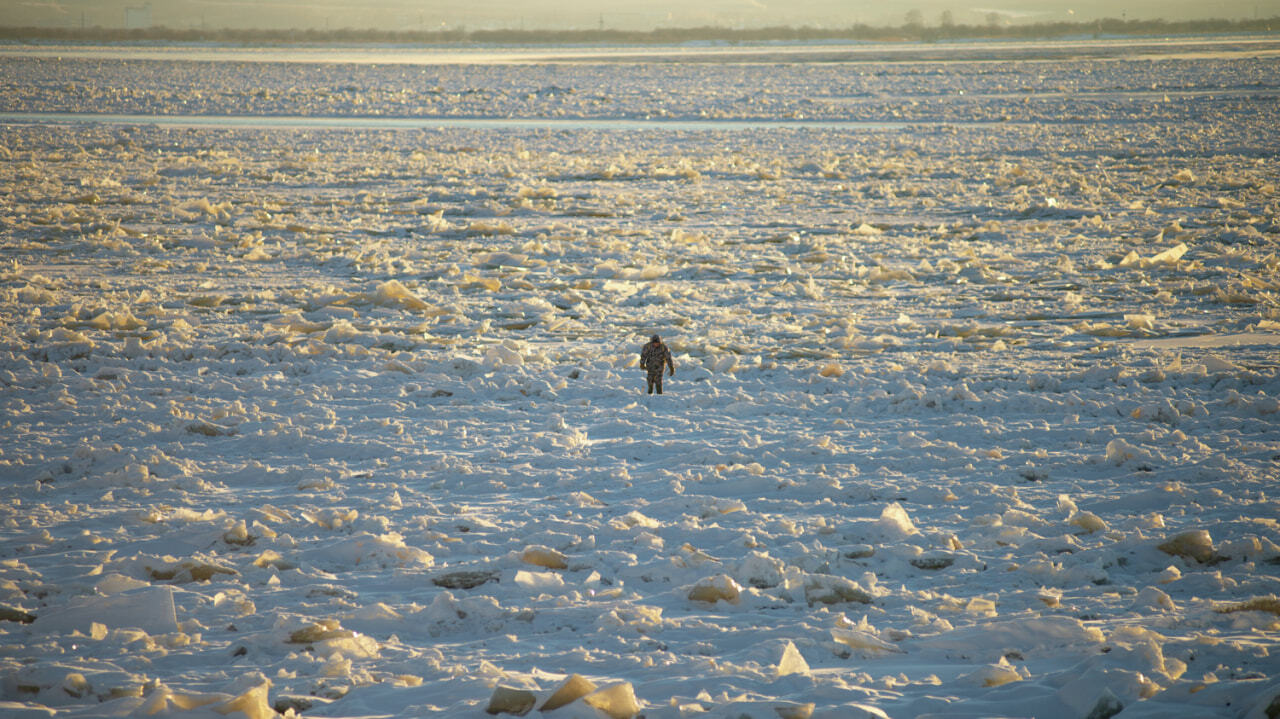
{"x":656,"y":356}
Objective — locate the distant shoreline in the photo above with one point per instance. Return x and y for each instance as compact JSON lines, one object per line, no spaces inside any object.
{"x":909,"y":33}
{"x":824,"y":52}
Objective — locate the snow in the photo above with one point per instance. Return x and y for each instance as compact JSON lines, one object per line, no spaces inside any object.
{"x":975,"y":416}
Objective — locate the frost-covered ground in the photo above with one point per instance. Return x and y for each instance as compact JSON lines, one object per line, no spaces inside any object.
{"x":968,"y":420}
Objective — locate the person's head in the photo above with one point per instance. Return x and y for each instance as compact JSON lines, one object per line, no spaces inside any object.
{"x":655,"y":339}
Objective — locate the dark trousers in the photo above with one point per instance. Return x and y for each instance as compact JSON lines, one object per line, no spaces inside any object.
{"x":655,"y":381}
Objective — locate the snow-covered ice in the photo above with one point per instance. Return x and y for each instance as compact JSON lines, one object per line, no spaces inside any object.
{"x":978,"y":416}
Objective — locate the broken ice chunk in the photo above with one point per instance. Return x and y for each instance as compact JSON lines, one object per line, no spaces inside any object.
{"x":1140,"y":321}
{"x":993,"y":675}
{"x":189,"y":570}
{"x":720,"y":587}
{"x":1196,"y":545}
{"x":364,"y":550}
{"x":574,"y":687}
{"x":541,"y":556}
{"x":115,"y":583}
{"x":791,"y":662}
{"x":795,"y":711}
{"x":1088,"y":522}
{"x":495,"y":260}
{"x":1152,"y":598}
{"x":759,"y":570}
{"x":981,"y":606}
{"x":895,"y":523}
{"x":1269,"y":604}
{"x":210,"y":429}
{"x":538,"y":581}
{"x":1160,"y":259}
{"x":828,"y":589}
{"x":149,"y":609}
{"x":394,"y":294}
{"x":319,"y":631}
{"x":328,"y":638}
{"x":506,"y":700}
{"x":1120,"y":451}
{"x":633,"y":519}
{"x":862,"y":640}
{"x":273,"y":559}
{"x":505,"y":354}
{"x":9,"y":614}
{"x":1217,"y":365}
{"x":617,"y":701}
{"x":831,"y":370}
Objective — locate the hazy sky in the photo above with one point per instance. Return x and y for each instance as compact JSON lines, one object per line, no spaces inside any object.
{"x":628,"y":14}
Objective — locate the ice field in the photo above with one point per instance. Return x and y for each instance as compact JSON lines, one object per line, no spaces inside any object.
{"x":319,"y":390}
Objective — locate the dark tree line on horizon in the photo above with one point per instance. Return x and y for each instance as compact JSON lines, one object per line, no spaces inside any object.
{"x":914,"y":29}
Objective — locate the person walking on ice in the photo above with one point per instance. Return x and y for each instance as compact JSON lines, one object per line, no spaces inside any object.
{"x":653,"y":358}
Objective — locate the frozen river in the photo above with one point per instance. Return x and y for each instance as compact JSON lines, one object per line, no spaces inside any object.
{"x":319,"y":386}
{"x":304,"y":122}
